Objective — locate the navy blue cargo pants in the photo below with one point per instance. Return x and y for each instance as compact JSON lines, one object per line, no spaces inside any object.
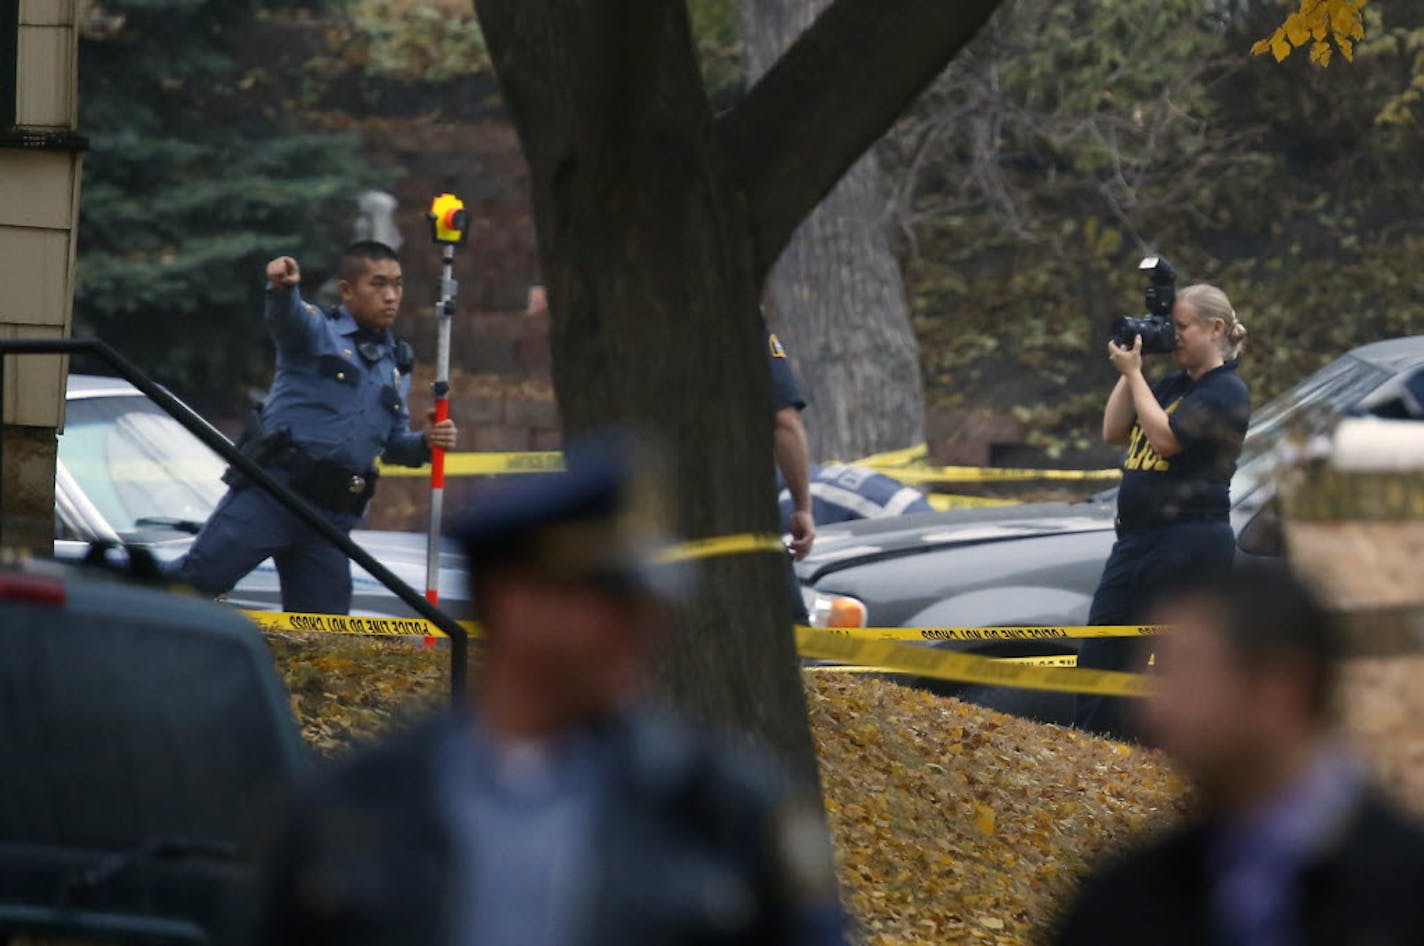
{"x":250,"y":526}
{"x":1142,"y":566}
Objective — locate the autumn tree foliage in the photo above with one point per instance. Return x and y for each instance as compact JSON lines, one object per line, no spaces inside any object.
{"x":1317,"y":24}
{"x":1045,"y":163}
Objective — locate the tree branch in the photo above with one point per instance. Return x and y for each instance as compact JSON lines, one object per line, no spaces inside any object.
{"x":832,"y":95}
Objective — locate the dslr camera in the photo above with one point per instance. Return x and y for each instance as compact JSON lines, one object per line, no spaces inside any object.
{"x":1159,"y":335}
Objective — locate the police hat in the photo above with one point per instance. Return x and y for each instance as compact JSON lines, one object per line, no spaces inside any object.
{"x":600,"y":521}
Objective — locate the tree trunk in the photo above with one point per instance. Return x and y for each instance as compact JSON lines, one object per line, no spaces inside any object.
{"x":836,"y":295}
{"x":656,"y":226}
{"x":653,"y":300}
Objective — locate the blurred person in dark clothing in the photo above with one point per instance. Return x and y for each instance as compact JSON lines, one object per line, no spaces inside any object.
{"x":1291,"y":844}
{"x":558,"y":809}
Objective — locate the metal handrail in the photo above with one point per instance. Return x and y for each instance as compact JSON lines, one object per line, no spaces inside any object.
{"x":209,"y":435}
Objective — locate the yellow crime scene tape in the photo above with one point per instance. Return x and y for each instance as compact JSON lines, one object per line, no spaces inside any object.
{"x":550,"y":461}
{"x":1054,"y":673}
{"x":723,"y":545}
{"x":487,"y":464}
{"x":856,"y":649}
{"x":894,"y":458}
{"x":989,"y":474}
{"x":714,"y":547}
{"x":378,"y":626}
{"x":1046,"y":660}
{"x":350,"y":624}
{"x":911,"y":465}
{"x":966,"y":668}
{"x":975,"y":634}
{"x":880,"y":648}
{"x":946,"y":501}
{"x":1049,"y":672}
{"x":497,"y":464}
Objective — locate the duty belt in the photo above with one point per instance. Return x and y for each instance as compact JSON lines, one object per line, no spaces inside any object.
{"x":326,"y":482}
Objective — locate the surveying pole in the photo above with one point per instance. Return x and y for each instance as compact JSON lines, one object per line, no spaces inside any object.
{"x":448,"y":228}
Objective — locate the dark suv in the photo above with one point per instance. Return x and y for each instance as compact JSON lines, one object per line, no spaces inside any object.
{"x":146,"y":741}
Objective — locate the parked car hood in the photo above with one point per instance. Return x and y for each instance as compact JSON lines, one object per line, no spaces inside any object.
{"x":868,"y":540}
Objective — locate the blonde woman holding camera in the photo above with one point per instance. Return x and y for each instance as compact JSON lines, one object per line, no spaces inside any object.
{"x":1183,"y":436}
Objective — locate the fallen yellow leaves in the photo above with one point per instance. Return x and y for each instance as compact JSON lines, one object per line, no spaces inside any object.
{"x":960,"y":825}
{"x":347,"y":690}
{"x":952,"y":824}
{"x":984,"y":818}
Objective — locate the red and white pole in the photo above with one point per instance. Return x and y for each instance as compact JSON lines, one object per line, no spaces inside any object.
{"x":448,"y":226}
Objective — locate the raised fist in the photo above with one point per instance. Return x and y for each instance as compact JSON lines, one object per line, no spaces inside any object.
{"x":283,"y":272}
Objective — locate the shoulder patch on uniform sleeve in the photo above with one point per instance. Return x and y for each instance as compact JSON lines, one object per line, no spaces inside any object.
{"x":311,"y":308}
{"x":777,"y":351}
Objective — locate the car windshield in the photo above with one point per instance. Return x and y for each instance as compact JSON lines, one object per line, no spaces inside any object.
{"x":134,"y":462}
{"x":1337,"y":387}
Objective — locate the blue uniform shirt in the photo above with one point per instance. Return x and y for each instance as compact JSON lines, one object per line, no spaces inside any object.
{"x":784,"y":392}
{"x":335,"y":403}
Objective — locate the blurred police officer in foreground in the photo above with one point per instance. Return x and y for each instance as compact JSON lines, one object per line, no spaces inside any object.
{"x":1291,"y":845}
{"x":338,"y":402}
{"x":556,"y":809}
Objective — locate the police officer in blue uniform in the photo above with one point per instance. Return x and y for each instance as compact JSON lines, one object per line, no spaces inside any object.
{"x":561,"y":807}
{"x":793,"y":452}
{"x":338,"y":402}
{"x":793,"y":463}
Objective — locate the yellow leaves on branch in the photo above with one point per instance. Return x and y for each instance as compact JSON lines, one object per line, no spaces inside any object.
{"x":1318,"y":23}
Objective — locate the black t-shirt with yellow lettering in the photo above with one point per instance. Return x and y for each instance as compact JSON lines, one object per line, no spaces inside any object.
{"x":1208,"y":418}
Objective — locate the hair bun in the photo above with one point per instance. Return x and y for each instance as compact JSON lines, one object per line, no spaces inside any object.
{"x":1237,"y":332}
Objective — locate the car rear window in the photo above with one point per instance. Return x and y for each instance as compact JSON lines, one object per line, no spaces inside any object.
{"x":1309,"y":406}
